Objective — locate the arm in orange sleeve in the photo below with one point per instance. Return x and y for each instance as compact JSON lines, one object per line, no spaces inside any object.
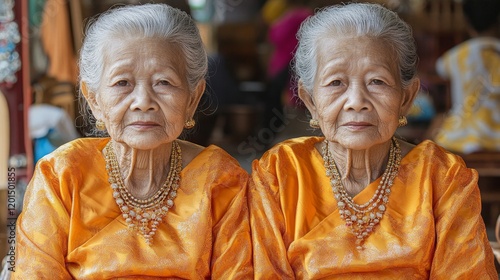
{"x":42,"y":229}
{"x":462,"y":247}
{"x":232,"y":244}
{"x":267,"y":224}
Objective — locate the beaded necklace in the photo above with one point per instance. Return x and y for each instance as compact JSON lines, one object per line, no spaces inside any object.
{"x":144,"y":215}
{"x":362,"y":219}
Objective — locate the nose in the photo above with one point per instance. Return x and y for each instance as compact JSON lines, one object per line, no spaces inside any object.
{"x":144,"y":99}
{"x":357,"y":98}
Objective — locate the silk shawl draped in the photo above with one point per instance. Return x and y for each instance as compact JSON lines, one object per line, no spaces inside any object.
{"x":432,"y":228}
{"x":71,"y":226}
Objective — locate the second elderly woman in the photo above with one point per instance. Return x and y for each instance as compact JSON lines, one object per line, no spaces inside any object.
{"x":140,"y":203}
{"x":360,"y":203}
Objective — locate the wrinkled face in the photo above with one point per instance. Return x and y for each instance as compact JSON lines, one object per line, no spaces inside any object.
{"x":357,"y":96}
{"x":144,"y":98}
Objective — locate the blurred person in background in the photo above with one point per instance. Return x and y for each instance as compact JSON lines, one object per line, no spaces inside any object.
{"x":282,"y":38}
{"x":473,"y":68}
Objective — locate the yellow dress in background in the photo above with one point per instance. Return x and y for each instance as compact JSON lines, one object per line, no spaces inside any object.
{"x":71,"y":227}
{"x":432,"y":228}
{"x":473,"y":122}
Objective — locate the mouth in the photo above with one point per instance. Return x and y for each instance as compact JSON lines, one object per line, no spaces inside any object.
{"x":357,"y":125}
{"x":142,"y":125}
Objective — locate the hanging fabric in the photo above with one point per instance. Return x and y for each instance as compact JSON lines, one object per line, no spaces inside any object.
{"x":57,"y":41}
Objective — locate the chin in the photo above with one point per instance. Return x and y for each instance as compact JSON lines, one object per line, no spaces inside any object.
{"x":358,"y":141}
{"x":139,"y":145}
{"x":145,"y":142}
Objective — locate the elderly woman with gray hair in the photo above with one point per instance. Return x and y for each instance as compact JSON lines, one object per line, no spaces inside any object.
{"x":140,"y":203}
{"x":359,"y":203}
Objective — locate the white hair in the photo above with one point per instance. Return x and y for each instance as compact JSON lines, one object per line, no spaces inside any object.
{"x":359,"y":19}
{"x":143,"y":21}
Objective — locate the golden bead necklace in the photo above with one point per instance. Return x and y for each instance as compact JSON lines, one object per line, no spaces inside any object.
{"x":144,"y":215}
{"x":362,"y":219}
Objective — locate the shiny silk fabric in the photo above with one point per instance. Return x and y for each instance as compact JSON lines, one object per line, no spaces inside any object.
{"x":432,"y":228}
{"x":71,"y":227}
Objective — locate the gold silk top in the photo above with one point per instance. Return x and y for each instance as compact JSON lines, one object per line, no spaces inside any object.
{"x":72,"y":228}
{"x":432,"y":228}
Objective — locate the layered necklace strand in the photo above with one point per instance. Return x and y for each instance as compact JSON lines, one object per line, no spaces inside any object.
{"x":144,"y":215}
{"x":362,"y":219}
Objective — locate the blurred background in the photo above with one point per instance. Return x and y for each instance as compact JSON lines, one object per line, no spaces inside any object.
{"x":250,"y":103}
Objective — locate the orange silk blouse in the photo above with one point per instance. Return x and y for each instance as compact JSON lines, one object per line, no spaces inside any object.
{"x":432,"y":228}
{"x":71,"y":226}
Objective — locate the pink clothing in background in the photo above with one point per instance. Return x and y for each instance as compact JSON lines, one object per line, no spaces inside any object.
{"x":282,"y":35}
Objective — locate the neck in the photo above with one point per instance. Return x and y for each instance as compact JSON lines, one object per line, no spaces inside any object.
{"x":358,"y":168}
{"x":143,"y":171}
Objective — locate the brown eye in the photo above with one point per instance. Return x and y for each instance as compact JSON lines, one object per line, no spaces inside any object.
{"x":377,"y":82}
{"x":164,"y":83}
{"x":122,"y":83}
{"x":336,"y":83}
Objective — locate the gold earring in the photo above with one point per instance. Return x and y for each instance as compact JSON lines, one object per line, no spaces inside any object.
{"x":100,"y":125}
{"x":189,"y":124}
{"x":402,"y":121}
{"x":314,"y":123}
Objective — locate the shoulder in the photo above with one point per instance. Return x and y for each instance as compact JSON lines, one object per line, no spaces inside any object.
{"x":450,"y":56}
{"x":429,"y":151}
{"x":81,"y":151}
{"x":289,"y":153}
{"x":211,"y":158}
{"x":297,"y":145}
{"x":214,"y":170}
{"x":195,"y":152}
{"x":430,"y":158}
{"x":460,"y":48}
{"x":68,"y":167}
{"x":481,"y":42}
{"x":441,"y":170}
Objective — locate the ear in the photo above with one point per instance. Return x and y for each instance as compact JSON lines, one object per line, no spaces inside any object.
{"x":410,"y":93}
{"x":195,"y":98}
{"x":306,"y":97}
{"x":91,"y":100}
